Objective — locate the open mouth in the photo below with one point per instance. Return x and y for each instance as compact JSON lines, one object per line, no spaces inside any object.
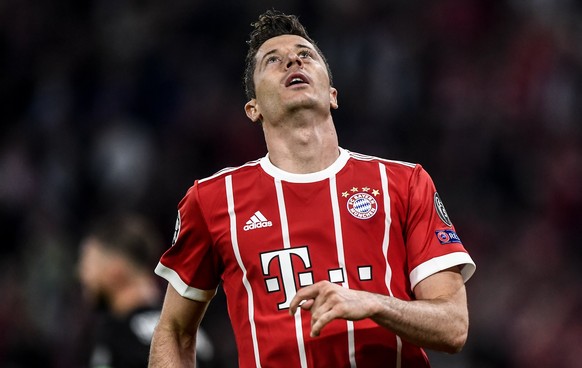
{"x":295,"y":79}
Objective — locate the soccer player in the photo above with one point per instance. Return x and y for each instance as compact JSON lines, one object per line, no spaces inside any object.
{"x":115,"y":263}
{"x":328,"y":258}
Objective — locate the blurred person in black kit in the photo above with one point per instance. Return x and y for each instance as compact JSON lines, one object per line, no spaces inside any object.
{"x":116,"y":257}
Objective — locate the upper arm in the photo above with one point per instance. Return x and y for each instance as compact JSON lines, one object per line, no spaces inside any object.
{"x":445,"y":293}
{"x":181,"y":315}
{"x":174,"y":339}
{"x":446,"y":285}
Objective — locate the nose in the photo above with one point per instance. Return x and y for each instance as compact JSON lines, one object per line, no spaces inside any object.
{"x":293,"y":58}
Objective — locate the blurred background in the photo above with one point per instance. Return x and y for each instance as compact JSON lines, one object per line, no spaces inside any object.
{"x":117,"y":105}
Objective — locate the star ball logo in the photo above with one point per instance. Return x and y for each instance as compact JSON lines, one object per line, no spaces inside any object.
{"x":177,"y":229}
{"x":441,"y":211}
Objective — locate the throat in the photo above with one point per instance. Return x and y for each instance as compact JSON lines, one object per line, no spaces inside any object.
{"x":303,"y":151}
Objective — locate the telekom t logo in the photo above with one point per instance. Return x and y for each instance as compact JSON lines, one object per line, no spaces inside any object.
{"x":285,"y":280}
{"x":284,"y":258}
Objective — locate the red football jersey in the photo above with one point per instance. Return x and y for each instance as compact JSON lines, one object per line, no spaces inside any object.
{"x":364,"y":223}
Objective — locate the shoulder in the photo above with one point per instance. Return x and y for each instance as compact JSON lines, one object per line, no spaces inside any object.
{"x":397,"y":165}
{"x":399,"y":174}
{"x":214,"y":186}
{"x":237,"y":170}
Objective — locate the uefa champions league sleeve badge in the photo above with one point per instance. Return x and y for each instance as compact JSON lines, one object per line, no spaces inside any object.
{"x":441,"y":211}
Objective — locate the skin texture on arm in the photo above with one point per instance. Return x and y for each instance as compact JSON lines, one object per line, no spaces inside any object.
{"x":438,"y":319}
{"x":174,"y":340}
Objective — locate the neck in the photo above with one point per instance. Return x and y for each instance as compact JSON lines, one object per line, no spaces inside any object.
{"x":302,"y":145}
{"x":140,"y":292}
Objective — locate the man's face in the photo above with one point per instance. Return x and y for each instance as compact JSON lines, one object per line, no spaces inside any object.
{"x":289,"y":75}
{"x":93,"y":269}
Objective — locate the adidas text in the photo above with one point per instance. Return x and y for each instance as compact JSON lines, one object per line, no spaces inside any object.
{"x":257,"y":225}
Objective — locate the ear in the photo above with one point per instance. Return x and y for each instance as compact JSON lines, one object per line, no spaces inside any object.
{"x":333,"y":98}
{"x":252,"y":111}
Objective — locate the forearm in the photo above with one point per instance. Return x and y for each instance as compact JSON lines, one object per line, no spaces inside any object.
{"x":438,"y":319}
{"x":439,"y":324}
{"x":172,"y":349}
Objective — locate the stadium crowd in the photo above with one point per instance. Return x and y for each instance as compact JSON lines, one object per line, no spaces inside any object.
{"x":111,"y":106}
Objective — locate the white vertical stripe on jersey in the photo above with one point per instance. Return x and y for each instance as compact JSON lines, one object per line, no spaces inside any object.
{"x":245,"y":281}
{"x":385,"y":243}
{"x":286,"y":245}
{"x":339,"y":241}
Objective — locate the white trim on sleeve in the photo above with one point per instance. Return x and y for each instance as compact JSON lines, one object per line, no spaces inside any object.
{"x":181,"y":287}
{"x":441,"y":263}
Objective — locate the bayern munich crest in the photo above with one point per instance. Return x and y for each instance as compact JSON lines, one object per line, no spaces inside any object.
{"x":362,"y":206}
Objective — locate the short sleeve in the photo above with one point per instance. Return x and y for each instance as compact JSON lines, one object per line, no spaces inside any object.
{"x":432,"y":243}
{"x":189,"y":264}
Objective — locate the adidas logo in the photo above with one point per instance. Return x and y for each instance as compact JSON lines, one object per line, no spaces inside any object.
{"x":257,"y":221}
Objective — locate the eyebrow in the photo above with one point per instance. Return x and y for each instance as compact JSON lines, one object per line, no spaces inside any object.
{"x":298,"y":46}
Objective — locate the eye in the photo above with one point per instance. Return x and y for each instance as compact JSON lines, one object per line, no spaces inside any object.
{"x":304,"y":54}
{"x":272,"y":59}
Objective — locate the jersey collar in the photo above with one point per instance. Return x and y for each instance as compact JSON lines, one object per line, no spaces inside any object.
{"x":327,"y":173}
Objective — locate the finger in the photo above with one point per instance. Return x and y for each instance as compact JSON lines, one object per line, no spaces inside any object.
{"x":317,"y":324}
{"x":304,"y":304}
{"x":307,"y":293}
{"x":307,"y":304}
{"x":321,"y":315}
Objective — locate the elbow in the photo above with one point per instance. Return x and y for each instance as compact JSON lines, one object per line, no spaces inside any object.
{"x":456,"y":340}
{"x":458,"y":333}
{"x":456,"y":344}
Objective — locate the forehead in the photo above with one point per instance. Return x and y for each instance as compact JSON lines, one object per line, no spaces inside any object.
{"x":282,"y":42}
{"x":91,"y":246}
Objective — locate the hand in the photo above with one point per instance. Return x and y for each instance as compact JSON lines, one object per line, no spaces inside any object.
{"x":327,"y":301}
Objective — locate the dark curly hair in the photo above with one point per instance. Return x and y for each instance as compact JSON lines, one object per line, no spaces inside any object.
{"x":271,"y":24}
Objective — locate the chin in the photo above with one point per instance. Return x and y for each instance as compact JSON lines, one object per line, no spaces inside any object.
{"x":301,"y":103}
